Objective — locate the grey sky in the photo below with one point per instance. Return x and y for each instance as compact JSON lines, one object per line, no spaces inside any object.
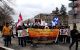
{"x":30,"y":8}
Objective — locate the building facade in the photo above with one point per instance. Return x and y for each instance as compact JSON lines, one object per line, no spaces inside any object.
{"x":74,"y":19}
{"x":44,"y":17}
{"x":63,"y":20}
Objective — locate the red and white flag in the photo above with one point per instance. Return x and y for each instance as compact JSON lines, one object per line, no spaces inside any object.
{"x":19,"y":20}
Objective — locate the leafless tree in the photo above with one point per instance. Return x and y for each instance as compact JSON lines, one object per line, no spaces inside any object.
{"x":5,"y":12}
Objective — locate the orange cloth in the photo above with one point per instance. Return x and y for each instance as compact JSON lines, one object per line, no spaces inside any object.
{"x":6,"y":30}
{"x":43,"y":32}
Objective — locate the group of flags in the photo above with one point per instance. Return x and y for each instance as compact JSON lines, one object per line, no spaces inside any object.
{"x":54,"y":22}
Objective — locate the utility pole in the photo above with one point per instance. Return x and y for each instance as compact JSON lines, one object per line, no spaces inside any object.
{"x":74,"y":14}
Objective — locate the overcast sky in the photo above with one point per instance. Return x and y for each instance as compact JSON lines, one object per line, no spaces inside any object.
{"x":30,"y":8}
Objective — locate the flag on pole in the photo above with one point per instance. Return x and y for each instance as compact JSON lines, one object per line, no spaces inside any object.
{"x":19,"y":20}
{"x":55,"y":21}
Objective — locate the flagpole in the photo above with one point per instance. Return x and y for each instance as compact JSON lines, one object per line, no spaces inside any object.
{"x":20,"y":20}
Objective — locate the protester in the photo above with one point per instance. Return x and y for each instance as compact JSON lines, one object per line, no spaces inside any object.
{"x":74,"y":32}
{"x":19,"y":30}
{"x":24,"y":36}
{"x":6,"y":34}
{"x":23,"y":39}
{"x":68,"y":34}
{"x":27,"y":36}
{"x":62,"y":33}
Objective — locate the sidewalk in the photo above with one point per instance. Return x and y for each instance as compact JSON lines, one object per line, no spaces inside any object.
{"x":2,"y":47}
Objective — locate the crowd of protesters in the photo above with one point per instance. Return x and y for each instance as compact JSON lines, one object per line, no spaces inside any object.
{"x":65,"y":34}
{"x":8,"y":32}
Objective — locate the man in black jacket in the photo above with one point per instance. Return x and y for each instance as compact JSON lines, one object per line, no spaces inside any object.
{"x":74,"y":33}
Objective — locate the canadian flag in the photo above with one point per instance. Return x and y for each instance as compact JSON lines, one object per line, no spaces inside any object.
{"x":20,"y":20}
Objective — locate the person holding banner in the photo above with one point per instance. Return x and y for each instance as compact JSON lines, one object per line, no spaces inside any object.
{"x":23,"y":40}
{"x":22,"y":35}
{"x":63,"y":34}
{"x":19,"y":30}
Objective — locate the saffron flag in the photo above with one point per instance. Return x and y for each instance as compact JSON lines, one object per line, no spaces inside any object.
{"x":19,"y":20}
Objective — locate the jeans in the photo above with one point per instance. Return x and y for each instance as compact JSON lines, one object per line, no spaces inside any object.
{"x":19,"y":40}
{"x":74,"y":40}
{"x":6,"y":40}
{"x":23,"y":41}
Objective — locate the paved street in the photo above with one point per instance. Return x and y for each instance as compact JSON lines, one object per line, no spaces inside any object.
{"x":39,"y":46}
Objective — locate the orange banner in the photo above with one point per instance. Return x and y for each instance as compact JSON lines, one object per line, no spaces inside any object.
{"x":43,"y":32}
